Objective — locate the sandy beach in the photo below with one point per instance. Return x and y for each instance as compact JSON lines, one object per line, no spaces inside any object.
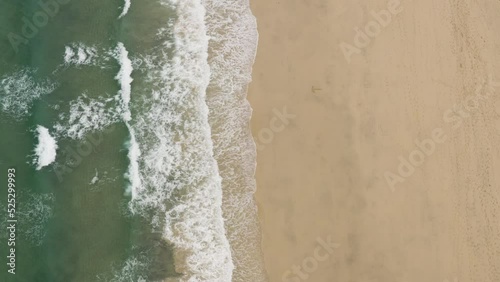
{"x":377,"y":125}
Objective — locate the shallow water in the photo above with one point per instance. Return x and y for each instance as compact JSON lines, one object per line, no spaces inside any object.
{"x":139,"y":189}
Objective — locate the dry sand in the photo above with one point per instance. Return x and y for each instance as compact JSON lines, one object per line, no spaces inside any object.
{"x":324,"y":173}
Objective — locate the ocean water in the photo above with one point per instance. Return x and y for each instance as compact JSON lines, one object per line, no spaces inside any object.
{"x":127,"y":125}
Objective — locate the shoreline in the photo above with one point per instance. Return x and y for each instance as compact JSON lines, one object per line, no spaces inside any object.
{"x":232,"y":52}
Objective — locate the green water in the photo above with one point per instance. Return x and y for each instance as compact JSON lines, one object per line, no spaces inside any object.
{"x":70,"y":230}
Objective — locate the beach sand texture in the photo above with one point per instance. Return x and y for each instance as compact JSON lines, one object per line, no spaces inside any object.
{"x":394,"y":155}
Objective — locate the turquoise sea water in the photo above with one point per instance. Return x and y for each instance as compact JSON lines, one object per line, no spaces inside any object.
{"x":125,"y":140}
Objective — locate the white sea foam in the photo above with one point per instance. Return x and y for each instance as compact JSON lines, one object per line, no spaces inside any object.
{"x":93,"y":114}
{"x":129,"y":271}
{"x":19,"y":90}
{"x":79,"y":54}
{"x":89,"y":115}
{"x":69,"y":53}
{"x":124,"y":77}
{"x":46,"y":150}
{"x":126,"y":7}
{"x":95,"y":178}
{"x":133,"y":174}
{"x":181,"y":185}
{"x":233,"y":41}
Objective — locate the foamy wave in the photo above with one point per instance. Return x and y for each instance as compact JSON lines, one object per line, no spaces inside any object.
{"x":133,"y":174}
{"x":181,"y":187}
{"x":89,"y":115}
{"x":124,"y":77}
{"x":95,"y":178}
{"x":46,"y":150}
{"x":145,"y":62}
{"x":93,"y":114}
{"x":129,"y":271}
{"x":20,"y":89}
{"x":126,"y":7}
{"x":233,"y":41}
{"x":79,"y":54}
